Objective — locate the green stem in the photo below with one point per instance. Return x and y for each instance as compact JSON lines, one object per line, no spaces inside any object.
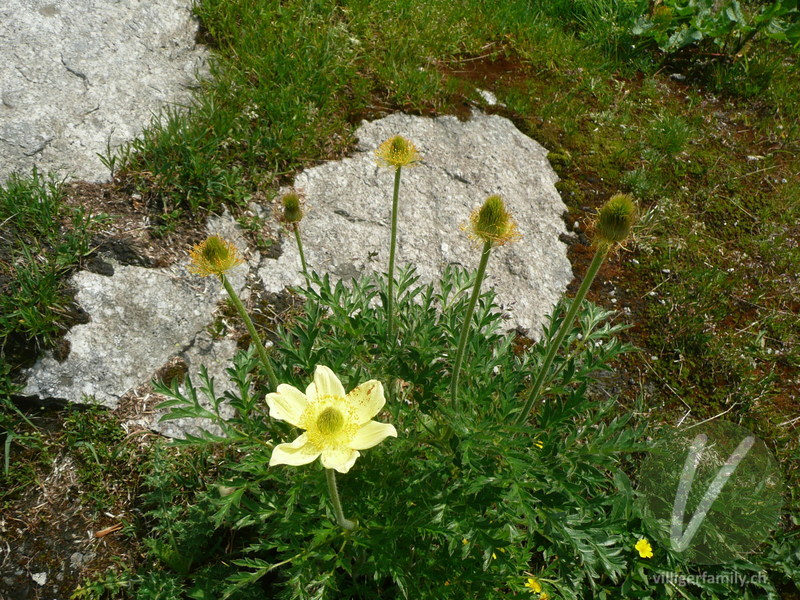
{"x":296,"y":228}
{"x":392,"y":247}
{"x":262,"y":353}
{"x":465,"y":328}
{"x":566,"y":325}
{"x":346,"y":524}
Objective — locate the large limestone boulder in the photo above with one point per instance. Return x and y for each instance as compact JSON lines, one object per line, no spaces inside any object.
{"x":347,"y":228}
{"x":140,"y":319}
{"x":79,"y":78}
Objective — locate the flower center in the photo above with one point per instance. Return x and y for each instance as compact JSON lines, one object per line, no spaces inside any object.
{"x":330,"y":421}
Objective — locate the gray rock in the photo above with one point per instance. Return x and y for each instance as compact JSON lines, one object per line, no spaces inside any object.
{"x":78,"y":78}
{"x":216,"y":356}
{"x":78,"y":559}
{"x":140,"y":318}
{"x":346,"y":230}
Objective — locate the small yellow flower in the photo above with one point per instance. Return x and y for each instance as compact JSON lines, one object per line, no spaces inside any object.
{"x":337,"y":425}
{"x":544,"y":596}
{"x":533,"y":585}
{"x":397,"y":152}
{"x":644,"y":548}
{"x":539,"y":444}
{"x":493,"y":223}
{"x":215,"y":256}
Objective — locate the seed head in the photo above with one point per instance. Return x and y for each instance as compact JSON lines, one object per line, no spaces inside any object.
{"x":397,"y":152}
{"x":615,"y":219}
{"x":215,"y":256}
{"x":493,"y":223}
{"x":292,"y":208}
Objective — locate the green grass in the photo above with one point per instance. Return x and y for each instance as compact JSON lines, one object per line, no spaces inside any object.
{"x":41,"y":242}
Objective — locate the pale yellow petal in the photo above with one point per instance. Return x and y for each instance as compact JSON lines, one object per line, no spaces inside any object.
{"x":372,"y":434}
{"x":367,"y":399}
{"x":288,"y":404}
{"x":340,"y":459}
{"x":299,"y":452}
{"x":325,"y":384}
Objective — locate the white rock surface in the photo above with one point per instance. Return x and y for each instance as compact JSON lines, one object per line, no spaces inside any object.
{"x":80,"y":77}
{"x":140,"y":318}
{"x":346,"y":230}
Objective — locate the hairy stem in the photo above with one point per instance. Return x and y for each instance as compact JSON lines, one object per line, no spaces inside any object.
{"x":392,"y":248}
{"x":555,"y":344}
{"x":296,"y":228}
{"x":465,"y":328}
{"x":262,"y":352}
{"x":346,"y":524}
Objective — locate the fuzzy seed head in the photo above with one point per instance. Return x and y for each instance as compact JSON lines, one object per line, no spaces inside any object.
{"x":292,"y":209}
{"x":215,"y":256}
{"x":493,"y":223}
{"x":397,"y":152}
{"x":615,"y":219}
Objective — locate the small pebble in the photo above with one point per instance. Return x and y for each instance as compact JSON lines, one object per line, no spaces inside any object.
{"x":488,"y":96}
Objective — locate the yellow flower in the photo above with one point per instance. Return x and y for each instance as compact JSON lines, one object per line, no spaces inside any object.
{"x":533,"y":585}
{"x":337,"y":425}
{"x":544,"y":596}
{"x":215,"y":256}
{"x":397,"y":152}
{"x":493,"y":223}
{"x":644,"y":548}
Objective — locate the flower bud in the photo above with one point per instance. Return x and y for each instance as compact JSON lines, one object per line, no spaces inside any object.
{"x":397,"y":152}
{"x":615,"y":219}
{"x":215,"y":256}
{"x":493,"y":223}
